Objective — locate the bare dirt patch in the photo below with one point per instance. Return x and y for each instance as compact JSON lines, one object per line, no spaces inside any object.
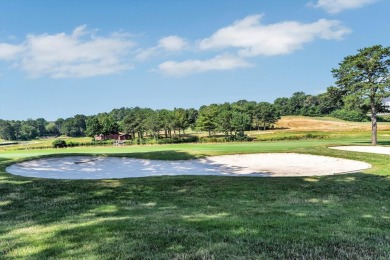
{"x":300,"y":123}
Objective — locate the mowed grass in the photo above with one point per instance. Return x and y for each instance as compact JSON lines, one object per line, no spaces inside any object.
{"x":198,"y":217}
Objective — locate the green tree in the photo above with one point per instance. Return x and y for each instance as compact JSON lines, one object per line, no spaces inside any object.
{"x":52,"y":129}
{"x":129,"y":124}
{"x":296,"y":103}
{"x":330,"y":101}
{"x":240,"y":121}
{"x":224,"y":119}
{"x":93,"y":127}
{"x":6,"y":130}
{"x":17,"y":125}
{"x":192,"y":115}
{"x":281,"y":105}
{"x":181,"y":119}
{"x":28,"y":132}
{"x":73,"y":126}
{"x":109,"y":126}
{"x":59,"y":123}
{"x":365,"y":76}
{"x":167,"y":121}
{"x":265,"y":115}
{"x":40,"y":124}
{"x":310,"y":106}
{"x":153,"y":124}
{"x":207,"y":120}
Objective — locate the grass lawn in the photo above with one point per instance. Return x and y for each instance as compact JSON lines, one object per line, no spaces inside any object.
{"x":197,"y":217}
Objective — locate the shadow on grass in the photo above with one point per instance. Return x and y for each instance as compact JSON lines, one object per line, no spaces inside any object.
{"x":196,"y":217}
{"x":369,"y":142}
{"x":2,"y":160}
{"x":159,"y":155}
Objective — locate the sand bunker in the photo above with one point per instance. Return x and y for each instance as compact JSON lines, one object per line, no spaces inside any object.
{"x":273,"y":165}
{"x":364,"y":149}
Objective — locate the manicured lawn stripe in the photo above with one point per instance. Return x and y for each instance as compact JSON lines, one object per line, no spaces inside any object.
{"x":198,"y":217}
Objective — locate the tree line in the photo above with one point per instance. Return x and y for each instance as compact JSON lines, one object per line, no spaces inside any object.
{"x":231,"y":119}
{"x":362,"y":80}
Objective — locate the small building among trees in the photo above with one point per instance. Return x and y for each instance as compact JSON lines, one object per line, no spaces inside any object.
{"x":119,"y":137}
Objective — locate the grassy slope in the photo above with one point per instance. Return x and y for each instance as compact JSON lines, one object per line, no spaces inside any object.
{"x":345,"y":216}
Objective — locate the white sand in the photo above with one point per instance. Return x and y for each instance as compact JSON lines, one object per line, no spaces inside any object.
{"x":270,"y":164}
{"x":365,"y":149}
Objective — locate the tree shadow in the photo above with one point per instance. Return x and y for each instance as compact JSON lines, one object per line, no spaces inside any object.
{"x":380,"y":142}
{"x":159,"y":155}
{"x":195,"y":217}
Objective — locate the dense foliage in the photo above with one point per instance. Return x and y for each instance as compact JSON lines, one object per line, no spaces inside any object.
{"x":59,"y":143}
{"x":365,"y":78}
{"x":231,"y":119}
{"x":362,"y":82}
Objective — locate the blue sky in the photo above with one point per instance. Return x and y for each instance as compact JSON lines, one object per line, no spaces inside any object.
{"x":61,"y":58}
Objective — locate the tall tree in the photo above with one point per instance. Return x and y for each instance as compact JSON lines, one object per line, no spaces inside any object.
{"x":366,"y":76}
{"x":296,"y":103}
{"x":52,"y":129}
{"x":266,"y":114}
{"x":224,"y":119}
{"x":109,"y":126}
{"x":6,"y":130}
{"x":281,"y":105}
{"x":240,"y":121}
{"x":330,"y":101}
{"x":28,"y":132}
{"x":129,"y":124}
{"x":166,"y":119}
{"x":181,"y":119}
{"x":153,"y":124}
{"x":93,"y":127}
{"x":207,"y":120}
{"x":40,"y":124}
{"x":192,"y":115}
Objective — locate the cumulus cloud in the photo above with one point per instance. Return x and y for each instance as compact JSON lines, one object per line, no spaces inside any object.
{"x":171,"y":43}
{"x":336,"y":6}
{"x":221,"y":62}
{"x":9,"y":51}
{"x":253,"y":38}
{"x":79,"y":54}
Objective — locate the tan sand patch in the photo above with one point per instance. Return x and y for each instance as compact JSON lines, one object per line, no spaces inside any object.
{"x":364,"y":149}
{"x":261,"y":165}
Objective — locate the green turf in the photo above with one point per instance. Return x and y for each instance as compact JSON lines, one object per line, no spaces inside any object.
{"x":198,"y":217}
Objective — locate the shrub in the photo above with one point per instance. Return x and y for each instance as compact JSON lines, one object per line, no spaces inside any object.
{"x":230,"y":138}
{"x":213,"y":140}
{"x":292,"y":137}
{"x":178,"y":140}
{"x":383,"y":118}
{"x":349,"y":115}
{"x":72,"y":144}
{"x":58,"y":143}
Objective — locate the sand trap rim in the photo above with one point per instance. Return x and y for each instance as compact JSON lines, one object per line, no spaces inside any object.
{"x":109,"y":167}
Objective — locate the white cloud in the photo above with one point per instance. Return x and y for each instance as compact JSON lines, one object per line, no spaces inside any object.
{"x":336,"y":6}
{"x":80,"y":54}
{"x":146,"y":53}
{"x":9,"y":51}
{"x":253,"y":38}
{"x":171,"y":43}
{"x":221,"y":62}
